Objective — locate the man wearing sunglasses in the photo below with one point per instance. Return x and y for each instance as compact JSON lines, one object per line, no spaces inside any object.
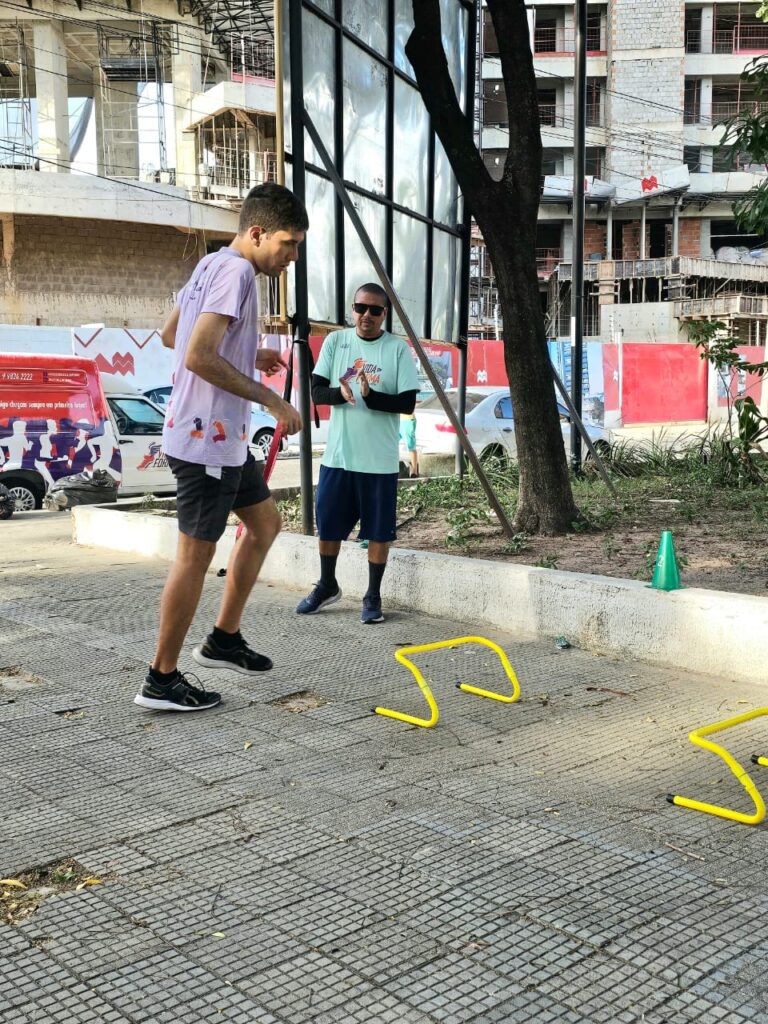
{"x":374,"y":381}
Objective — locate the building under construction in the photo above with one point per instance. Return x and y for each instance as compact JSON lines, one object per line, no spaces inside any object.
{"x":128,"y":136}
{"x":661,"y":245}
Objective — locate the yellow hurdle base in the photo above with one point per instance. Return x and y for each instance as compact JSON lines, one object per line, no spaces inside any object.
{"x":434,"y":713}
{"x":740,"y":773}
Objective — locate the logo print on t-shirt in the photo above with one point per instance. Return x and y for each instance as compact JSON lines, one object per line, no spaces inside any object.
{"x":198,"y":431}
{"x":221,"y":434}
{"x":371,"y":371}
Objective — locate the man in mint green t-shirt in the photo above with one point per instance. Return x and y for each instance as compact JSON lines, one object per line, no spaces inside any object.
{"x":369,"y":378}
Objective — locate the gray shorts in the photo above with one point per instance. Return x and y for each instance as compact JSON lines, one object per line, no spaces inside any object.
{"x":203,"y":502}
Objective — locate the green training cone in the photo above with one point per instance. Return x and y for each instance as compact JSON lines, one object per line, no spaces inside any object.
{"x":666,"y":575}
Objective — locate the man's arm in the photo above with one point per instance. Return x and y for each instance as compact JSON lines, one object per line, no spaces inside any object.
{"x":404,"y":401}
{"x":168,"y":333}
{"x":203,"y":359}
{"x":323,"y":393}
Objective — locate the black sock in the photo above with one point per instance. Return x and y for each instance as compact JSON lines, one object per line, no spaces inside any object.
{"x":162,"y":678}
{"x":328,"y":571}
{"x":375,"y":574}
{"x":226,"y":641}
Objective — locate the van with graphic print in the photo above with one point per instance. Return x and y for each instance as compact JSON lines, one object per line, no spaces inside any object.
{"x":60,"y":416}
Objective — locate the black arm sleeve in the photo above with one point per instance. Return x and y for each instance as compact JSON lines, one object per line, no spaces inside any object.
{"x":323,"y":394}
{"x":405,"y":401}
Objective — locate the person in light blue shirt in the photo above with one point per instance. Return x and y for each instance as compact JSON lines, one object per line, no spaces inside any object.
{"x":374,"y":381}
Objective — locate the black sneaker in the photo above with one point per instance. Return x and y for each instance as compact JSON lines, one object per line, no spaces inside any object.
{"x":320,"y":597}
{"x":238,"y":659}
{"x":178,"y":695}
{"x":371,"y":610}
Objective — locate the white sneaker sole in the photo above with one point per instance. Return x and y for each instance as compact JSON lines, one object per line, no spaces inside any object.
{"x":168,"y":705}
{"x":324,"y":604}
{"x":373,"y":622}
{"x":201,"y":659}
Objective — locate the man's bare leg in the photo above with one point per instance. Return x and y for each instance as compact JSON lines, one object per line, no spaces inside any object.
{"x":262,"y":524}
{"x":181,"y":596}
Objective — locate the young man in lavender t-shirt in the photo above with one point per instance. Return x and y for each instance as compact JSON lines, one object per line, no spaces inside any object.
{"x":214,"y":332}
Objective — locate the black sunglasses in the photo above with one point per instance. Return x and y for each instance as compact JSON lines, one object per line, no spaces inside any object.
{"x":364,"y":307}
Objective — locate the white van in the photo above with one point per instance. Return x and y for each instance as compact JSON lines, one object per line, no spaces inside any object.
{"x":60,"y":416}
{"x":138,"y":425}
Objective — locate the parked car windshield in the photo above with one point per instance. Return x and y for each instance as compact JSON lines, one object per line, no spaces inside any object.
{"x":433,"y":402}
{"x":135,"y":416}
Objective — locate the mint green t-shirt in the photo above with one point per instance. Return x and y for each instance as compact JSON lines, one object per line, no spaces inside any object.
{"x":360,"y":439}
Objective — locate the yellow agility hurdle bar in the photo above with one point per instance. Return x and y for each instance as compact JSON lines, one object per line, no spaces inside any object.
{"x":697,"y":737}
{"x":428,"y":723}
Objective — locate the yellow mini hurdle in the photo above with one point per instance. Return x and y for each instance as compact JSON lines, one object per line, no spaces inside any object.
{"x":741,"y":774}
{"x":427,"y":723}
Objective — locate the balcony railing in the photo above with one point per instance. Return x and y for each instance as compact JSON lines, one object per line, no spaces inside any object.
{"x":547,"y":260}
{"x":723,"y":109}
{"x":693,"y":41}
{"x":594,"y":115}
{"x":743,"y":39}
{"x":551,"y":116}
{"x":556,"y":40}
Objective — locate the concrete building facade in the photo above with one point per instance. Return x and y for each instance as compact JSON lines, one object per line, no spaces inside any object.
{"x":176,"y":106}
{"x":662,"y":77}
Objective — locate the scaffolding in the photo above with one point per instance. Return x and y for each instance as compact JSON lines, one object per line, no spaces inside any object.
{"x":236,"y":151}
{"x":16,"y":134}
{"x":133,"y":69}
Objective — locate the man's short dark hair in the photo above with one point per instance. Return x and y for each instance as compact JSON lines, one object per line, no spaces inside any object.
{"x":274,"y":208}
{"x":374,"y":289}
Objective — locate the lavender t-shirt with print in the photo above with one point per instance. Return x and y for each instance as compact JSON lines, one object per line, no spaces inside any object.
{"x":204,"y":424}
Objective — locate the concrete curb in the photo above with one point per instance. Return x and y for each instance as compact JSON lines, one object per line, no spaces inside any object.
{"x":704,"y":631}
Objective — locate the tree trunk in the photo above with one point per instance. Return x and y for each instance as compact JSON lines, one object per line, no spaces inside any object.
{"x":506,"y":213}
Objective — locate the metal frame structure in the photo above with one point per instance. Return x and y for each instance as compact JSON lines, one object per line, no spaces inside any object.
{"x":328,"y":182}
{"x":236,"y":26}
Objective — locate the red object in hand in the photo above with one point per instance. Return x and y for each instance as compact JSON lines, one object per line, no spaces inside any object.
{"x":274,"y":448}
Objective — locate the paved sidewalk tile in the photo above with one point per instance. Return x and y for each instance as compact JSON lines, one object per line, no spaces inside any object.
{"x":298,"y":860}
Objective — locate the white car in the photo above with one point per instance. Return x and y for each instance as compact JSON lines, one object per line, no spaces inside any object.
{"x":262,"y":424}
{"x":489,"y":425}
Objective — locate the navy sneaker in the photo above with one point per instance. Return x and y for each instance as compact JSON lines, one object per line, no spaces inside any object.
{"x":320,"y":597}
{"x":239,"y":659}
{"x":178,"y":695}
{"x":371,"y":610}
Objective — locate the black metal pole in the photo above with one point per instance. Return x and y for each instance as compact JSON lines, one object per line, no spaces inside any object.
{"x":301,"y":315}
{"x":397,"y":305}
{"x":471,"y":92}
{"x":577,"y":262}
{"x":462,"y":409}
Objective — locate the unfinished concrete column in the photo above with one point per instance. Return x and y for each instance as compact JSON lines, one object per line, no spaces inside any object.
{"x":50,"y":58}
{"x":186,"y":73}
{"x":117,"y":126}
{"x":707,"y":27}
{"x":705,"y":100}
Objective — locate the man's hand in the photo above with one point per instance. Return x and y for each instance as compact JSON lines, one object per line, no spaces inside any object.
{"x":269,"y":362}
{"x":284,"y":413}
{"x":365,"y":387}
{"x":346,"y":392}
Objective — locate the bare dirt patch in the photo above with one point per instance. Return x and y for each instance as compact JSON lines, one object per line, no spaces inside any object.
{"x":21,"y":895}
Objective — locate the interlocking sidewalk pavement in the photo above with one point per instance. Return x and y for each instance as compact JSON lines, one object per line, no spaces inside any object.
{"x":262,"y":865}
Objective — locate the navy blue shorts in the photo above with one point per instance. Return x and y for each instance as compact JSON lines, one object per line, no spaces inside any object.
{"x":344,"y":497}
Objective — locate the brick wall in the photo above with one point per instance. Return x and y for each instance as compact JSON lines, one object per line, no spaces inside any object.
{"x":630,"y":240}
{"x":70,"y":272}
{"x":646,"y":60}
{"x":594,"y":238}
{"x":690,"y":237}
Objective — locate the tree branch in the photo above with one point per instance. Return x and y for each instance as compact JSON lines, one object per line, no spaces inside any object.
{"x":424,"y":50}
{"x":510,"y":20}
